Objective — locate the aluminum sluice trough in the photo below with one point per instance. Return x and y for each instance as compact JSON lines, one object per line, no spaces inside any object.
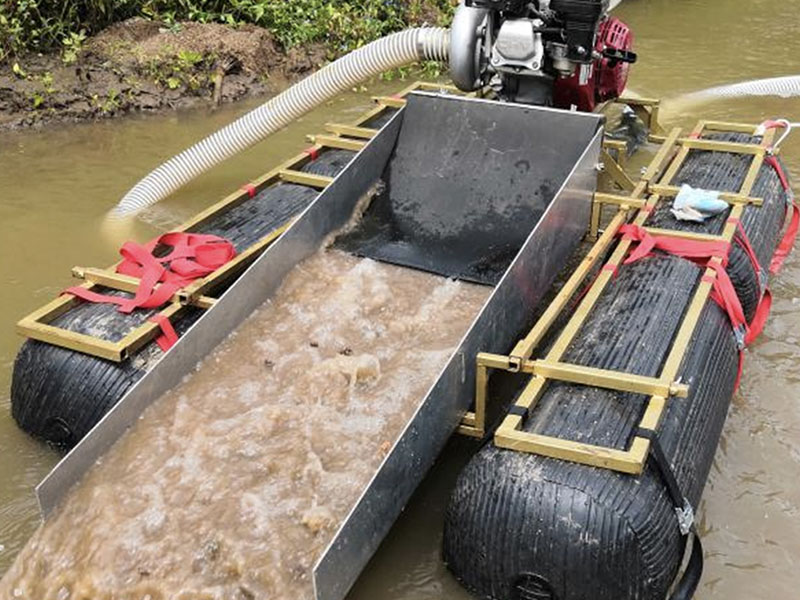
{"x":501,"y":192}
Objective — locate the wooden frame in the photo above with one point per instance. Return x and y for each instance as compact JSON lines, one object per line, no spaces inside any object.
{"x":631,"y":460}
{"x":39,"y":324}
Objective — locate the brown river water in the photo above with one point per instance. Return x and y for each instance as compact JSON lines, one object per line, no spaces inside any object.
{"x":56,"y":185}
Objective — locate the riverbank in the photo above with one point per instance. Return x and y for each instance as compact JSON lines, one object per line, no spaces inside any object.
{"x":158,"y":62}
{"x":142,"y":66}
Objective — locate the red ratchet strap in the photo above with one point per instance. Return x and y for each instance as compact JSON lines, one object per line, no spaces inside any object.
{"x":313,"y":152}
{"x":250,"y":189}
{"x":787,"y":243}
{"x":614,"y":269}
{"x":685,"y":248}
{"x":168,"y":336}
{"x":765,"y":304}
{"x":193,"y":256}
{"x":700,"y":252}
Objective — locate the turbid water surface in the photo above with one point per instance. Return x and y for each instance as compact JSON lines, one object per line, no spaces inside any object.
{"x":57,"y":184}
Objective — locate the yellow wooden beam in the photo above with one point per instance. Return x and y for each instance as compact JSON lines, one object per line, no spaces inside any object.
{"x":495,"y":361}
{"x":587,"y":454}
{"x":618,"y":145}
{"x":364,"y":133}
{"x":432,"y":86}
{"x":638,"y":101}
{"x":731,"y":127}
{"x":307,"y":179}
{"x":71,"y":340}
{"x":686,"y":235}
{"x":613,"y":380}
{"x":337,"y":142}
{"x":719,"y":146}
{"x":730,"y":197}
{"x":625,"y":202}
{"x":390,"y":101}
{"x":125,"y":283}
{"x":616,"y":172}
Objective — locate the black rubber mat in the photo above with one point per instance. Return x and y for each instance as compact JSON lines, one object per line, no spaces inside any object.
{"x":466,"y":185}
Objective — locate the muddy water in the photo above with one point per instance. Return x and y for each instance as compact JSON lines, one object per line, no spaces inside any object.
{"x":751,"y":505}
{"x":232,"y":484}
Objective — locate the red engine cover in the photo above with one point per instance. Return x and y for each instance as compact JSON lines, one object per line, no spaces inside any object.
{"x":607,"y":79}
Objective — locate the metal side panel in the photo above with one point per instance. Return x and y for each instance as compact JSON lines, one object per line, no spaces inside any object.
{"x":505,"y":314}
{"x":468,"y":181}
{"x":329,"y":212}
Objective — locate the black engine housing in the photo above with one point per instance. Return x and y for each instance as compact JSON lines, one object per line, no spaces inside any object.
{"x":581,"y":19}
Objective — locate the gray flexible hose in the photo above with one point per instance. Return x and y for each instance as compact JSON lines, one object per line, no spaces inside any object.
{"x":393,"y":51}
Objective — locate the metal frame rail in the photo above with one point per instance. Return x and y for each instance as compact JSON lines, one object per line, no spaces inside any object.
{"x":654,"y":185}
{"x":352,"y":136}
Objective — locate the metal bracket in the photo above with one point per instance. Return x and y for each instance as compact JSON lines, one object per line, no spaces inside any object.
{"x":647,"y":109}
{"x":685,"y":517}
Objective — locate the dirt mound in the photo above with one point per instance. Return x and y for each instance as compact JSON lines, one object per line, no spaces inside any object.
{"x":140,"y":65}
{"x":253,"y":48}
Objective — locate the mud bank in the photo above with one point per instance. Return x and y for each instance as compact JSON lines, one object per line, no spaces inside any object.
{"x":141,"y":66}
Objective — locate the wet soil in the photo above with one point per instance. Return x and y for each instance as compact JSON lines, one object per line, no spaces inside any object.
{"x":140,"y":66}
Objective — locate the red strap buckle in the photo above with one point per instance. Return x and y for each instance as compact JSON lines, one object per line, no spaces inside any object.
{"x":250,"y":189}
{"x":613,"y":269}
{"x":313,"y":152}
{"x":169,"y":336}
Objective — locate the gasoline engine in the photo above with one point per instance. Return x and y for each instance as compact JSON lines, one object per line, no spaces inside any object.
{"x":565,"y":53}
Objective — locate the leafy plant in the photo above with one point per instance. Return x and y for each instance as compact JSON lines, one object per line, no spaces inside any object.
{"x":46,"y":25}
{"x":184,"y":68}
{"x":19,"y":71}
{"x":109,"y":103}
{"x":72,"y":45}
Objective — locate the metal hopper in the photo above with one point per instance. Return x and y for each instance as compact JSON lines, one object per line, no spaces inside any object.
{"x":494,"y":193}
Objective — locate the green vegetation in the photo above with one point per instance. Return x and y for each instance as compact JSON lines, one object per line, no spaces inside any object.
{"x":63,"y":25}
{"x":185,"y":68}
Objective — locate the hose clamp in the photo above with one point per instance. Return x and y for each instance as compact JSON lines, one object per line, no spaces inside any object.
{"x":763,"y":279}
{"x":685,"y":517}
{"x":740,"y":334}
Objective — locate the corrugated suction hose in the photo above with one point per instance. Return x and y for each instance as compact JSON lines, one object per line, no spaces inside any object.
{"x":784,"y":87}
{"x":396,"y":50}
